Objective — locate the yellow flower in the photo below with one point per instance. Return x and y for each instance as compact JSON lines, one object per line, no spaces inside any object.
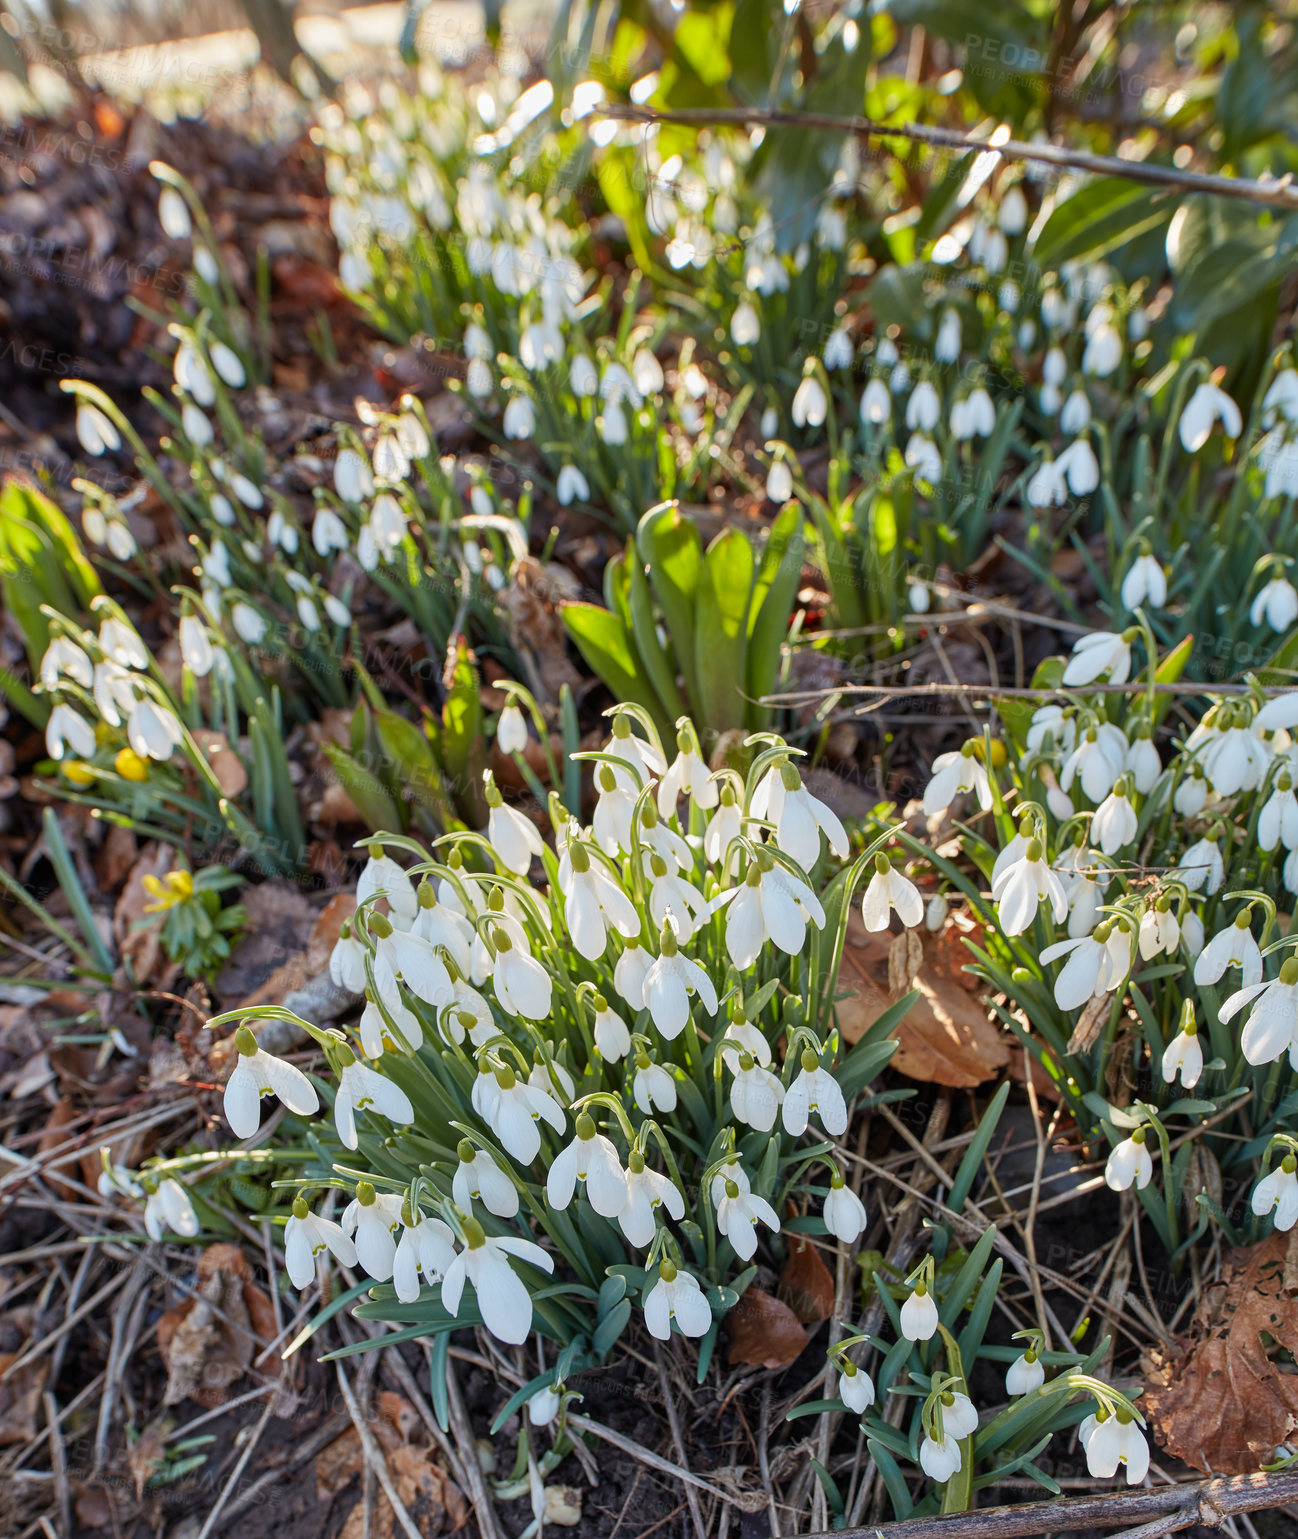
{"x":130,"y":766}
{"x":174,"y":888}
{"x":78,"y":772}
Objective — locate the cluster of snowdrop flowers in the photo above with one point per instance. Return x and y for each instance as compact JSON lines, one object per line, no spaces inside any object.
{"x":106,"y":690}
{"x":1135,"y":884}
{"x":626,"y":1060}
{"x":949,"y":1437}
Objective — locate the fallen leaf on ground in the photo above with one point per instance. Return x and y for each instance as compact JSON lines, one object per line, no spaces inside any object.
{"x":208,"y":1342}
{"x":945,"y":1038}
{"x":139,"y":934}
{"x":430,"y":1496}
{"x":52,"y":1135}
{"x":20,"y":1398}
{"x":805,"y":1284}
{"x":280,"y":920}
{"x":145,"y":1455}
{"x":227,"y":766}
{"x":764,"y":1331}
{"x":1225,"y":1399}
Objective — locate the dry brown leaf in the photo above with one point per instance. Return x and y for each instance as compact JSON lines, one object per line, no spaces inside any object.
{"x":337,"y":1465}
{"x":227,"y":766}
{"x":207,"y":1343}
{"x":62,"y":1113}
{"x":143,"y":1457}
{"x":905,"y":958}
{"x":764,"y":1331}
{"x":280,"y":921}
{"x":1090,"y":1023}
{"x":432,"y":1499}
{"x":805,"y":1284}
{"x":1225,"y":1399}
{"x":945,"y":1038}
{"x":20,"y":1398}
{"x":139,"y":934}
{"x":115,"y":858}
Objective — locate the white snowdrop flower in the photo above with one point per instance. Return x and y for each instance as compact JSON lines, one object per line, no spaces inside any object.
{"x":1114,"y":1442}
{"x":279,"y":531}
{"x":924,"y":457}
{"x":503,"y":1299}
{"x":769,"y":425}
{"x":258,"y":1073}
{"x":919,"y":598}
{"x":544,"y":1406}
{"x":1142,"y":762}
{"x":814,"y":1089}
{"x":571,"y":486}
{"x":1208,"y":405}
{"x":1096,"y":964}
{"x":1235,"y":759}
{"x":672,"y":897}
{"x":616,"y":384}
{"x":756,"y":1095}
{"x":809,"y":403}
{"x":1233,"y":946}
{"x":583,"y":377}
{"x":1099,"y":655}
{"x":844,"y":1212}
{"x":594,"y":903}
{"x":1277,"y":822}
{"x":1201,"y":867}
{"x":347,"y":960}
{"x":935,"y":912}
{"x":169,"y":1211}
{"x":647,"y":373}
{"x":153,"y":731}
{"x":121,"y":645}
{"x":1114,"y":824}
{"x":652,"y":1086}
{"x":361,"y":1088}
{"x":630,"y":972}
{"x":374,"y":1027}
{"x":855,"y":1388}
{"x":1078,"y":465}
{"x":1047,"y":486}
{"x":371,"y":1220}
{"x":222,"y":510}
{"x":876,"y":404}
{"x":1280,"y":403}
{"x":1184,"y":1056}
{"x":191,"y":374}
{"x":888,"y":890}
{"x":919,"y":1315}
{"x":940,"y":1461}
{"x":114,"y":693}
{"x":391,"y":462}
{"x":779,"y":482}
{"x":522,"y":985}
{"x":1276,"y":604}
{"x":800,"y":818}
{"x":173,"y":214}
{"x":64,"y":657}
{"x":1128,"y":1162}
{"x":1145,"y":583}
{"x":1022,"y":887}
{"x":1159,"y":930}
{"x":477,"y":379}
{"x":514,"y":1115}
{"x":745,"y":327}
{"x":96,"y":432}
{"x":612,"y":1039}
{"x":995,"y":251}
{"x":66,"y":730}
{"x":478,"y":1178}
{"x":381,"y":877}
{"x":307,"y":1236}
{"x":511,"y":729}
{"x":205,"y":265}
{"x":1277,"y":1194}
{"x":1075,"y":415}
{"x":954,"y":773}
{"x":428,"y":1247}
{"x":738,"y":1214}
{"x":647,"y":1191}
{"x":1012,"y":215}
{"x":838,"y":349}
{"x":1054,"y":366}
{"x":336,"y":610}
{"x":924,"y":408}
{"x":946,"y":347}
{"x":1097,"y":761}
{"x":676,"y":1296}
{"x":670,"y":981}
{"x":249,"y":624}
{"x":1103,"y":352}
{"x":899,"y":379}
{"x":771,"y":904}
{"x":593,"y":1159}
{"x":353,"y":479}
{"x":1025,"y":1374}
{"x":228,"y":365}
{"x":642,"y":756}
{"x":980,"y":414}
{"x":959,"y":1415}
{"x":514,"y":838}
{"x":687,"y":775}
{"x":246,"y":492}
{"x":1272,"y":1026}
{"x":612,"y":425}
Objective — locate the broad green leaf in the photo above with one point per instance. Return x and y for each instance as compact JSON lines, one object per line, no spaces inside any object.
{"x":721,"y":631}
{"x":1105,"y":214}
{"x":768,"y":620}
{"x":669,"y":544}
{"x":644,"y":635}
{"x":604,"y":641}
{"x":369,"y":794}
